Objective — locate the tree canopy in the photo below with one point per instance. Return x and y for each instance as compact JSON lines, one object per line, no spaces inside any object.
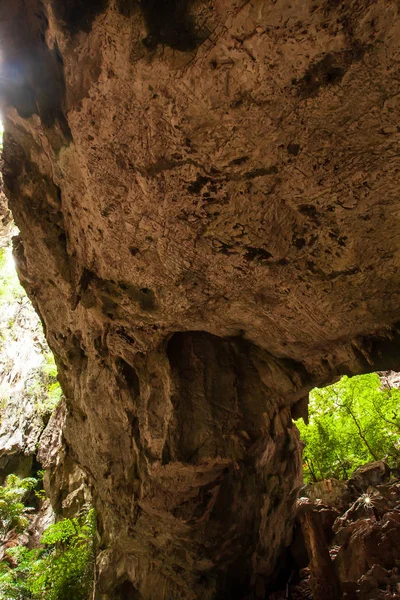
{"x":351,"y":423}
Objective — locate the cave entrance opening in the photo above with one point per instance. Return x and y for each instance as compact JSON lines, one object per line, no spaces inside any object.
{"x":347,"y":515}
{"x":352,"y":422}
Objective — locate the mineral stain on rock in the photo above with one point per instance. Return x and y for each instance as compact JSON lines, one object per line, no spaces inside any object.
{"x":327,"y":71}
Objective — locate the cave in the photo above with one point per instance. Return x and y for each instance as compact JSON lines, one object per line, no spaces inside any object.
{"x":208,"y":211}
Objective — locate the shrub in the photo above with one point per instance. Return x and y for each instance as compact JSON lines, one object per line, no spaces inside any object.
{"x":10,"y":288}
{"x":12,"y":508}
{"x":14,"y":582}
{"x":62,"y":569}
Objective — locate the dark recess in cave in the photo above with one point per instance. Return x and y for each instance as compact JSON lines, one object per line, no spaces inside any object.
{"x":130,"y":376}
{"x":126,"y":591}
{"x":126,"y":7}
{"x":78,"y":15}
{"x":170,"y":22}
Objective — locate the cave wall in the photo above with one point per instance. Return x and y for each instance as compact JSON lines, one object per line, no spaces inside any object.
{"x":207,"y":199}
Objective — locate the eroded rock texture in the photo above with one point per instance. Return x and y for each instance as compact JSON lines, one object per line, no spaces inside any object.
{"x":24,"y":384}
{"x":347,"y":545}
{"x":208,"y":203}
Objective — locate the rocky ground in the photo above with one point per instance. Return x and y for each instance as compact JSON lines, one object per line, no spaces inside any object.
{"x":355,"y":534}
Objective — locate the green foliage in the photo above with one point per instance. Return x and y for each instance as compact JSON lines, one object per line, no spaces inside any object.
{"x":49,"y":367}
{"x":12,"y":508}
{"x":62,"y":569}
{"x":46,"y":397}
{"x":14,"y":581}
{"x":10,"y":288}
{"x":41,"y":492}
{"x":51,"y":389}
{"x":351,"y":423}
{"x":44,"y":388}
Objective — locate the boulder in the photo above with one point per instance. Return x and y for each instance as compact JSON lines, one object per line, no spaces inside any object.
{"x":371,"y":474}
{"x":366,"y":543}
{"x":331,"y":492}
{"x":380,"y":574}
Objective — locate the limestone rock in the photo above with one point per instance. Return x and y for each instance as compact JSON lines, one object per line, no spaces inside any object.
{"x":6,"y":221}
{"x":380,"y":574}
{"x":327,"y":515}
{"x":371,"y":474}
{"x":39,"y":522}
{"x":365,"y":549}
{"x":23,"y":349}
{"x":207,"y":200}
{"x":390,"y":379}
{"x":333,"y":492}
{"x":65,"y":483}
{"x":371,"y":542}
{"x":324,"y":581}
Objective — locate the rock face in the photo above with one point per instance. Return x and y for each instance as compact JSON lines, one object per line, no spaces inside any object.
{"x":65,"y":483}
{"x":352,"y":553}
{"x":207,"y":200}
{"x":390,"y":379}
{"x":23,"y":381}
{"x":368,"y":544}
{"x":6,"y":221}
{"x":371,"y":474}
